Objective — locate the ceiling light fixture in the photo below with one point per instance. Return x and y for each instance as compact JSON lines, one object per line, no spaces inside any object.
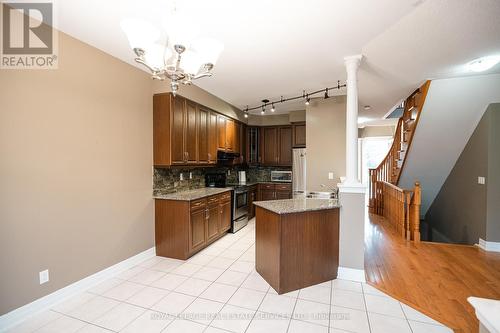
{"x":246,"y":112}
{"x":273,"y":108}
{"x":181,"y":59}
{"x":306,"y":96}
{"x":367,"y":107}
{"x":483,"y":64}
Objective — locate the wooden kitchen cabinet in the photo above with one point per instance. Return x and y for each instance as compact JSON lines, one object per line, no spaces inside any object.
{"x":183,"y":228}
{"x":285,"y":145}
{"x":276,"y":145}
{"x":197,"y":229}
{"x":268,"y":191}
{"x":187,"y":133}
{"x":299,"y":135}
{"x":212,"y":138}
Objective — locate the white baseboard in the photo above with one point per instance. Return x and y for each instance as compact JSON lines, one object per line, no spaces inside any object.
{"x":18,"y":315}
{"x":489,"y":246}
{"x":351,"y":274}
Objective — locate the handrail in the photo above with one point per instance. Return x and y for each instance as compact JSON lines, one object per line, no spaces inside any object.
{"x":387,"y":174}
{"x":400,"y":207}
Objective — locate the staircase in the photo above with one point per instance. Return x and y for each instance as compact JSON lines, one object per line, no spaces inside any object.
{"x":400,"y":206}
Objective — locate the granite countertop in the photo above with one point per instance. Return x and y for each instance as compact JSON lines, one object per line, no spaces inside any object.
{"x":297,"y":205}
{"x":189,"y":195}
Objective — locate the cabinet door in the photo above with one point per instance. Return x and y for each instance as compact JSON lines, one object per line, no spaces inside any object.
{"x":237,"y":138}
{"x":299,"y":135}
{"x":285,"y":146}
{"x":191,"y":133}
{"x":251,"y":207}
{"x":230,"y":135}
{"x":178,"y":130}
{"x":213,"y":216}
{"x":270,"y":146}
{"x":267,"y":195}
{"x":252,"y":145}
{"x":243,"y":143}
{"x":221,"y":132}
{"x":225,"y":216}
{"x":203,"y":137}
{"x":212,"y":138}
{"x":197,"y":234}
{"x":283,"y":195}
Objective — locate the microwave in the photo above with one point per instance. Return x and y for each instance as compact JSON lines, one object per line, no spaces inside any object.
{"x":281,"y":176}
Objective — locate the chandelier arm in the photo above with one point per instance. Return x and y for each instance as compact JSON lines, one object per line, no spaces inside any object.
{"x":204,"y":74}
{"x":142,"y":62}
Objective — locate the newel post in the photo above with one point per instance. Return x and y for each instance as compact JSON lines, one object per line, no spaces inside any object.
{"x":417,"y":197}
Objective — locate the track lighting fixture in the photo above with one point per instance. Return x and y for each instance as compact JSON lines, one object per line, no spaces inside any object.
{"x":246,"y":115}
{"x":306,"y":96}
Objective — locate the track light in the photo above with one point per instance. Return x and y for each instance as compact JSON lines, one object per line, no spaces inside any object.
{"x":307,"y":100}
{"x":326,"y":93}
{"x":272,"y":107}
{"x":263,"y":110}
{"x":246,"y":115}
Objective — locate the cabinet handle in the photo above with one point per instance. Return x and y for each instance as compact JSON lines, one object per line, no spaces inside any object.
{"x":207,"y":214}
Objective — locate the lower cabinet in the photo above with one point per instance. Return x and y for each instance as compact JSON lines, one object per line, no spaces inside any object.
{"x":274,"y":191}
{"x":183,"y":228}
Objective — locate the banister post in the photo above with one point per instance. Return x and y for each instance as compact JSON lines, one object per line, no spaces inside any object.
{"x":417,"y":197}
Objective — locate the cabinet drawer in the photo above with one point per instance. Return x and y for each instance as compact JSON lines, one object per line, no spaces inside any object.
{"x":283,"y":187}
{"x":225,"y":197}
{"x":267,"y":186}
{"x":213,"y":199}
{"x":195,"y":204}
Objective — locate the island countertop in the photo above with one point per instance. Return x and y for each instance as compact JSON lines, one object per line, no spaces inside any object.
{"x":192,"y":194}
{"x":297,"y":205}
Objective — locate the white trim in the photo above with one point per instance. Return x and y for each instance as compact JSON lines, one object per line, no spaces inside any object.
{"x":352,"y":188}
{"x":22,"y":313}
{"x":489,"y":246}
{"x":346,"y":273}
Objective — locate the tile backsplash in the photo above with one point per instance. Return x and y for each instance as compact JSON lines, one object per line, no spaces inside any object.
{"x":168,"y":180}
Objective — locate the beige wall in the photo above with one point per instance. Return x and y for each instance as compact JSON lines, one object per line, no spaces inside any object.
{"x":75,"y":170}
{"x":325,"y":130}
{"x":376,"y":131}
{"x":277,"y":119}
{"x":203,"y":97}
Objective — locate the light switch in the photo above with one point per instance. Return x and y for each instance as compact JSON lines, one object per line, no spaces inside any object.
{"x":330,"y":175}
{"x":44,"y":276}
{"x":481,"y":180}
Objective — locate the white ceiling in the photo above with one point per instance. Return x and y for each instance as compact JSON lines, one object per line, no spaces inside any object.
{"x":281,"y":47}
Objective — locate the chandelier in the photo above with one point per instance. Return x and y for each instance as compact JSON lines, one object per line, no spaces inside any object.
{"x":178,"y":55}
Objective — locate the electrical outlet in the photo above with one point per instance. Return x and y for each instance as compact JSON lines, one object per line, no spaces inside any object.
{"x":181,"y":176}
{"x":481,"y":180}
{"x":44,"y":276}
{"x":330,"y":175}
{"x":190,"y":175}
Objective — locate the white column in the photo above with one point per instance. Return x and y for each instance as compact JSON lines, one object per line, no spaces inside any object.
{"x":352,"y":65}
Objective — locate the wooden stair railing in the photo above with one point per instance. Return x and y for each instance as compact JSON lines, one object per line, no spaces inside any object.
{"x":385,"y":178}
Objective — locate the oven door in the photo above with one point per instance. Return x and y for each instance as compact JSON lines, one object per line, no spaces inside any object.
{"x":240,"y":207}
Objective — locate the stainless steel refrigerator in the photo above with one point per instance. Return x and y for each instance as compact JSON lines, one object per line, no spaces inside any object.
{"x":299,"y":171}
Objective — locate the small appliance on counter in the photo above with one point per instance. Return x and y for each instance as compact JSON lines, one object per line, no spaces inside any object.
{"x":240,"y":198}
{"x":242,"y":177}
{"x":281,"y":176}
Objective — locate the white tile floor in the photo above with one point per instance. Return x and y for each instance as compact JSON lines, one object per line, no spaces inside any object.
{"x":218,"y":290}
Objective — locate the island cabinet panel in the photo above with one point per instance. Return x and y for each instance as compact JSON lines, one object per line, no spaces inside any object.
{"x":297,"y":250}
{"x":183,"y":228}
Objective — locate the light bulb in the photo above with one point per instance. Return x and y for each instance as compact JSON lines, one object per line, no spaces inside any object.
{"x":272,"y":108}
{"x":246,"y":115}
{"x":140,"y":33}
{"x":307,"y":101}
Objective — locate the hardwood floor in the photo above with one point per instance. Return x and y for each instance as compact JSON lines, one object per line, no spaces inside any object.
{"x":434,"y":278}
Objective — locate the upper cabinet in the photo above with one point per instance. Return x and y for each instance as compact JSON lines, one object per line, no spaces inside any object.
{"x":186,"y":133}
{"x":276,"y":145}
{"x":299,"y":135}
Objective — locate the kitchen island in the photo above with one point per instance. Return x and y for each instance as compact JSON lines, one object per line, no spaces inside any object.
{"x":297,"y":242}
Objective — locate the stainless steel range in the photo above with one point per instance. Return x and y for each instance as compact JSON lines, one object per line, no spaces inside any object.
{"x":240,"y":199}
